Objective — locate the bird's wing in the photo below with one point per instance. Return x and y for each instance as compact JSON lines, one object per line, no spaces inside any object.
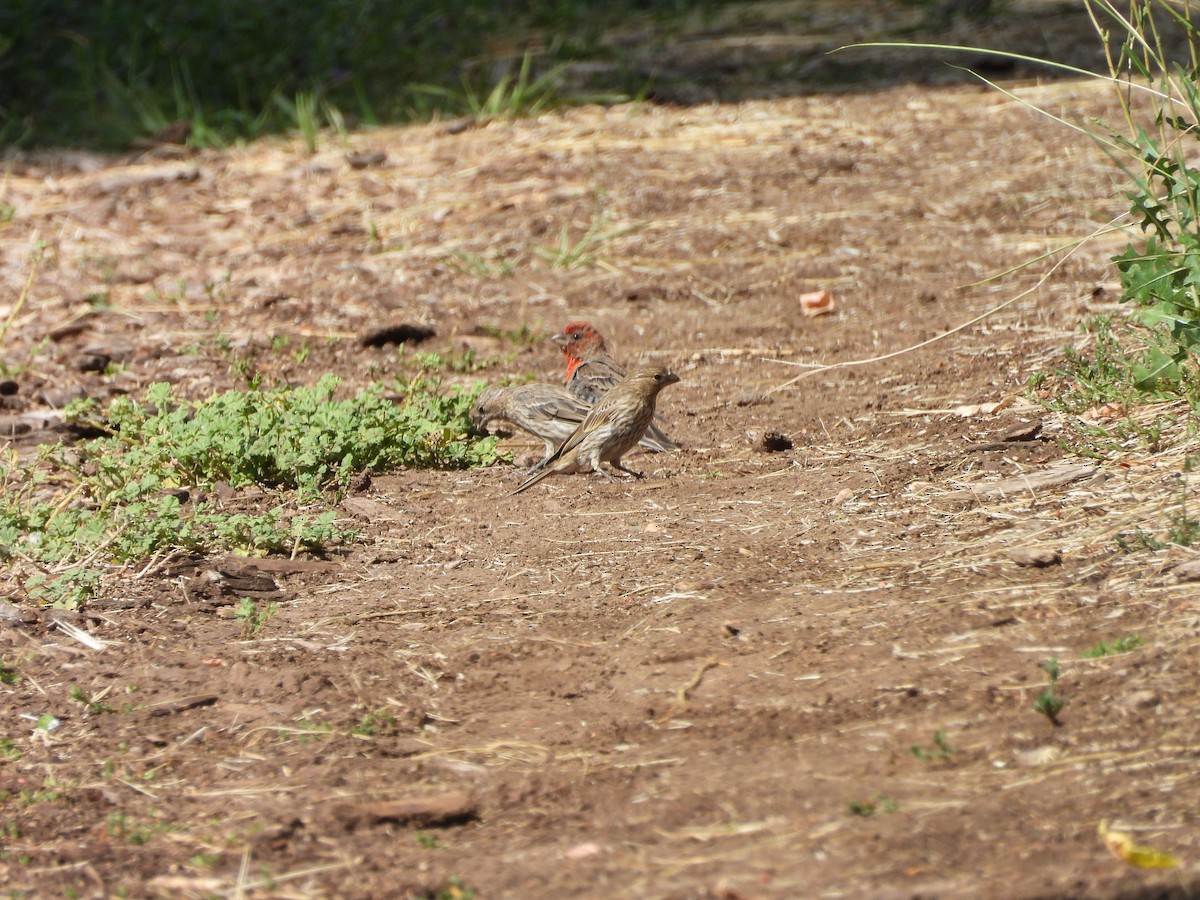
{"x":562,"y":406}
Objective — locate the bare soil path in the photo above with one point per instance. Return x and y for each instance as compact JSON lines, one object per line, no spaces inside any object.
{"x":809,"y":672}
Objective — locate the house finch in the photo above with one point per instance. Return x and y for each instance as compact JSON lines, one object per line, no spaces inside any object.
{"x":611,"y":428}
{"x":544,"y":410}
{"x":592,"y":373}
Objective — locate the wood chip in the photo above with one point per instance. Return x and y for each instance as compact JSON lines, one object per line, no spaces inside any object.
{"x":170,"y":707}
{"x":1034,"y":481}
{"x":123,"y":179}
{"x":1188,"y":571}
{"x":418,"y":812}
{"x":373,"y":510}
{"x":1145,"y":699}
{"x":1035,"y":557}
{"x":241,"y":565}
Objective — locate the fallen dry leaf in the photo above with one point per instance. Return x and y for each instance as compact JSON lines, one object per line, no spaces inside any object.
{"x":1122,"y":847}
{"x":816,"y":303}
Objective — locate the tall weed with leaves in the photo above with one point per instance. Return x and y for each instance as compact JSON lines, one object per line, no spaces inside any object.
{"x":1160,"y":273}
{"x":1153,"y":70}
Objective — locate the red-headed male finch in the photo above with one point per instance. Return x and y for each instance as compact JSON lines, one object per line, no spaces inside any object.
{"x":592,"y":373}
{"x":546,"y":411}
{"x":611,"y":429}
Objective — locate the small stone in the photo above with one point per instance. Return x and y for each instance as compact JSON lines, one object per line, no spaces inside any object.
{"x":366,"y":159}
{"x":11,"y":426}
{"x":1188,"y":571}
{"x":57,"y":398}
{"x":1145,"y":699}
{"x":1035,"y":557}
{"x":584,"y":850}
{"x":11,"y":614}
{"x":1038,"y":756}
{"x":92,"y":361}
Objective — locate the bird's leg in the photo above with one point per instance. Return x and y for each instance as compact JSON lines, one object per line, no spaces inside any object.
{"x":617,"y":465}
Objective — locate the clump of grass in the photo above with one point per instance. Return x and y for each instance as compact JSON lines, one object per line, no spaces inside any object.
{"x":105,"y":73}
{"x":582,"y":253}
{"x":1183,"y":528}
{"x":1113,"y":648}
{"x":512,"y":96}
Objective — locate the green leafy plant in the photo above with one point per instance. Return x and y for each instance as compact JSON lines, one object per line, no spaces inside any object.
{"x":940,"y":751}
{"x":375,"y":722}
{"x":1118,"y":646}
{"x":305,"y":730}
{"x":253,"y":616}
{"x":427,"y":840}
{"x":142,"y":489}
{"x":123,"y":828}
{"x":204,"y":861}
{"x":9,"y":749}
{"x":93,"y":704}
{"x":1048,"y":703}
{"x":582,"y":253}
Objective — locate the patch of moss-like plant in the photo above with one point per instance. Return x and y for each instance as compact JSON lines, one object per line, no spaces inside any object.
{"x":147,"y":487}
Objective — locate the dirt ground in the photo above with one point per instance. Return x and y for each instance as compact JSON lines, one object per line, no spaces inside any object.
{"x":791,"y":673}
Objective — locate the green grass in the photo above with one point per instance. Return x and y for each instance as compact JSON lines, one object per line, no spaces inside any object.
{"x":582,"y":253}
{"x":106,"y":71}
{"x":1118,"y":646}
{"x":940,"y":751}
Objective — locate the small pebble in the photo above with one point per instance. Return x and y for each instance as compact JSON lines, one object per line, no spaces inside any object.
{"x":1035,"y":557}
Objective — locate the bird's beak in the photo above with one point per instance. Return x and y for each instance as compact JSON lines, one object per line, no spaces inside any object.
{"x":561,"y":339}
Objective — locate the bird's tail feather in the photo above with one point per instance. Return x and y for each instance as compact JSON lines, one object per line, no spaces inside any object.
{"x":656,"y":439}
{"x":540,"y":472}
